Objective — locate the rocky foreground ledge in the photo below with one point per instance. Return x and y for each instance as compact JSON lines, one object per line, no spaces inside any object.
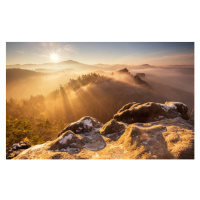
{"x":137,"y":131}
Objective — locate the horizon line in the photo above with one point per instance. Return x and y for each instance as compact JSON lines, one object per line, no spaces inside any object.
{"x":99,"y":64}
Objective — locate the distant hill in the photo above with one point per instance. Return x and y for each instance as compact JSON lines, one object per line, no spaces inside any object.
{"x":74,"y":65}
{"x":22,"y":83}
{"x":180,"y":76}
{"x":70,"y":62}
{"x":16,"y":74}
{"x":101,"y":96}
{"x":125,"y":87}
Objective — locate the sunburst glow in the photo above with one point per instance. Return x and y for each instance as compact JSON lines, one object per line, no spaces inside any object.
{"x":54,"y":57}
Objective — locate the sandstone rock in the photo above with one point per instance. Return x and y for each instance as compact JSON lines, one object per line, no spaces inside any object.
{"x":138,"y":78}
{"x":113,"y":129}
{"x":146,"y":140}
{"x":127,"y":106}
{"x":56,"y":156}
{"x":84,"y":126}
{"x":16,"y":149}
{"x":88,"y":128}
{"x":181,"y":108}
{"x":125,"y":70}
{"x":155,"y":131}
{"x":165,"y":139}
{"x":141,"y":81}
{"x":187,"y":153}
{"x":21,"y":145}
{"x":67,"y":142}
{"x":149,"y":112}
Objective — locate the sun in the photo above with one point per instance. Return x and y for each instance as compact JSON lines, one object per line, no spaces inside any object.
{"x":54,"y":57}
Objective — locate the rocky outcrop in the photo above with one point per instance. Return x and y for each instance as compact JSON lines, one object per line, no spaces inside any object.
{"x":138,"y":78}
{"x":88,"y":128}
{"x":149,"y":112}
{"x":140,"y":81}
{"x":125,"y":70}
{"x":85,"y":126}
{"x":67,"y":142}
{"x":138,"y":131}
{"x":149,"y":140}
{"x":113,"y":129}
{"x":16,"y":149}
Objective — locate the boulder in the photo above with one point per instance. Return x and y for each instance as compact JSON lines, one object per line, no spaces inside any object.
{"x":180,"y":107}
{"x":127,"y":106}
{"x":67,"y":142}
{"x":149,"y":112}
{"x":113,"y":129}
{"x":16,"y":149}
{"x":84,"y":126}
{"x":88,"y":128}
{"x":21,"y":145}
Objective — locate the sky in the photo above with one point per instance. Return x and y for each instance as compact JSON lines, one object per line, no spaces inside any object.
{"x":131,"y":53}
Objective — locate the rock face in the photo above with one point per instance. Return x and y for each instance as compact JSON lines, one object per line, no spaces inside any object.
{"x":88,"y":128}
{"x":149,"y":140}
{"x":16,"y":149}
{"x":138,"y":131}
{"x":138,"y":78}
{"x":67,"y":142}
{"x":84,"y":126}
{"x":140,"y":81}
{"x":149,"y":112}
{"x":125,"y":70}
{"x":113,"y":129}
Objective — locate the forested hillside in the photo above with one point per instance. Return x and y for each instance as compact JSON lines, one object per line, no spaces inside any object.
{"x":39,"y":118}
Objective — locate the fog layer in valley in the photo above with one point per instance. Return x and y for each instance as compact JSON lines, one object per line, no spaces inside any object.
{"x":43,"y":99}
{"x":42,"y":79}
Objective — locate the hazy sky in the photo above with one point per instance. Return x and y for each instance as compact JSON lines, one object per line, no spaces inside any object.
{"x":133,"y":53}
